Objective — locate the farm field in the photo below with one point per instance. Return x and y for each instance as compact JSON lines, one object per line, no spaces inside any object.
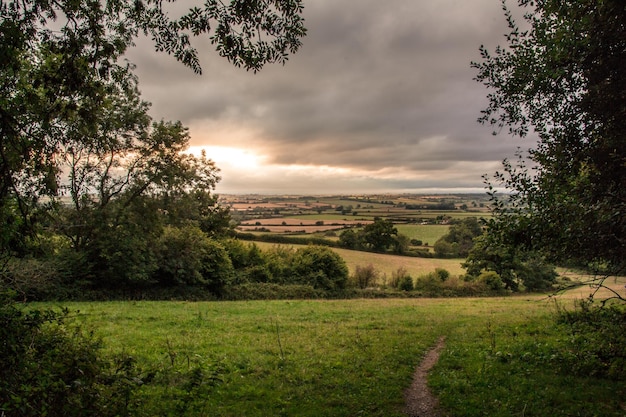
{"x":270,"y":212}
{"x":387,"y":264}
{"x":428,"y":234}
{"x":348,"y":357}
{"x":423,"y":219}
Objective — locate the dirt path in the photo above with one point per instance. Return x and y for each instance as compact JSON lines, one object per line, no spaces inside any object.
{"x":420,"y":402}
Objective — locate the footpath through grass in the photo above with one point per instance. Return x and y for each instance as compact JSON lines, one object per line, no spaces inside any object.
{"x":348,"y":357}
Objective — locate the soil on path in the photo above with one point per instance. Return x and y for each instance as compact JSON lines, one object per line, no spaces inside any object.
{"x":420,"y":401}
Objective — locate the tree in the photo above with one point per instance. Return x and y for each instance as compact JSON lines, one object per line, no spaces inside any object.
{"x":379,"y":235}
{"x":401,"y":244}
{"x":517,"y":268}
{"x":459,"y":239}
{"x":61,"y":70}
{"x":562,"y":79}
{"x":349,"y":239}
{"x":123,"y":192}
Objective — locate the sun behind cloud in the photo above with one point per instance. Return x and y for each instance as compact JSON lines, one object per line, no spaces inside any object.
{"x":230,"y":157}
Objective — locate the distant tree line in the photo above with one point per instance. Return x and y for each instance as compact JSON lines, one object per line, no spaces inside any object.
{"x":434,"y":206}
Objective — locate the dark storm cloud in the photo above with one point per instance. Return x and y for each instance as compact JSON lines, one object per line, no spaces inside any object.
{"x":377,"y":86}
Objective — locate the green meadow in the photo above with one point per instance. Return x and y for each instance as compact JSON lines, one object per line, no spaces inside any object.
{"x":349,"y":357}
{"x":428,"y":234}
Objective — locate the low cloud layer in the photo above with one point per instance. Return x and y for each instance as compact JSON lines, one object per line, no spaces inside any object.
{"x":379,"y":99}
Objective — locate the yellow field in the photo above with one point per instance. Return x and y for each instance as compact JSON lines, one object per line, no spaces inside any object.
{"x":386,"y":264}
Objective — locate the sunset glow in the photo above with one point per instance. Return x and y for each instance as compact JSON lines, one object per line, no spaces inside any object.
{"x":380,"y":98}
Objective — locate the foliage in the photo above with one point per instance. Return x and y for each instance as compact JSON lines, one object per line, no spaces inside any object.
{"x":598,"y":337}
{"x":401,"y":244}
{"x":320,"y":267}
{"x":52,"y":368}
{"x":187,"y":256}
{"x":405,"y":283}
{"x":272,"y":291}
{"x":398,"y":276}
{"x":561,"y":80}
{"x":364,"y":276}
{"x":516,"y":268}
{"x":442,"y":274}
{"x":491,"y":279}
{"x":349,"y":239}
{"x":379,"y":235}
{"x":459,"y":239}
{"x":69,"y":99}
{"x":30,"y":278}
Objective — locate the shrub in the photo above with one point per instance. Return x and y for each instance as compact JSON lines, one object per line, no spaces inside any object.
{"x":257,"y":273}
{"x":406,"y":283}
{"x":442,"y":274}
{"x":54,"y":369}
{"x":492,"y":280}
{"x":536,"y":274}
{"x":279,"y":260}
{"x":364,"y":276}
{"x":187,"y":256}
{"x":320,"y":267}
{"x":269,"y":291}
{"x":596,"y":342}
{"x":31,"y":278}
{"x":429,"y":283}
{"x":397,"y":276}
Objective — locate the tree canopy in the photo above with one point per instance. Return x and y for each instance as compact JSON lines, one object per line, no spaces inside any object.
{"x":561,"y":79}
{"x":87,"y":178}
{"x":70,"y":105}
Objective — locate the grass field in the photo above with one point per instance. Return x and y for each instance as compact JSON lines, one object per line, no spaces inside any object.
{"x":426,"y":233}
{"x":349,"y":357}
{"x":387,"y":264}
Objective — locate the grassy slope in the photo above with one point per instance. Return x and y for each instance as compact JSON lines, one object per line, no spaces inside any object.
{"x":354,"y":357}
{"x":426,"y":233}
{"x":386,"y":264}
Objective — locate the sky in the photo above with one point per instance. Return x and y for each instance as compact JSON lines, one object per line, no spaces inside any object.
{"x":379,"y":99}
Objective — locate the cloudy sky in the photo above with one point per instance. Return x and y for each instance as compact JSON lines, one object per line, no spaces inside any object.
{"x":380,"y":98}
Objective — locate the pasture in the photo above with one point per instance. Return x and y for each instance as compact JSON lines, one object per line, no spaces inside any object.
{"x":387,"y":264}
{"x":349,"y":357}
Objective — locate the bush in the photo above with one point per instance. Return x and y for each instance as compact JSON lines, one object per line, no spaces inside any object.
{"x":429,"y":283}
{"x":397,"y":276}
{"x":187,"y":256}
{"x":442,"y":274}
{"x":30,"y":278}
{"x":269,"y":291}
{"x":364,"y":276}
{"x":596,"y":342}
{"x":492,"y":280}
{"x":536,"y":274}
{"x":279,"y":260}
{"x":54,"y":369}
{"x":406,"y":283}
{"x":320,"y":267}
